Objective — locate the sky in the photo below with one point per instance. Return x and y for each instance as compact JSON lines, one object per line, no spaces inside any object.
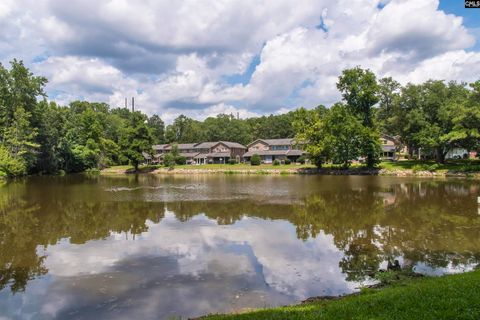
{"x":201,"y":58}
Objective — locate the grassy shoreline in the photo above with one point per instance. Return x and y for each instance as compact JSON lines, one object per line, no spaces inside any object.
{"x":446,"y":297}
{"x":466,"y":169}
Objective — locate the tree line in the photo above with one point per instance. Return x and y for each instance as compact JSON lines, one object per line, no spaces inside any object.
{"x":429,"y":119}
{"x":38,"y":136}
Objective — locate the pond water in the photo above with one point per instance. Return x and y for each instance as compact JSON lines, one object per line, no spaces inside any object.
{"x":160,"y":247}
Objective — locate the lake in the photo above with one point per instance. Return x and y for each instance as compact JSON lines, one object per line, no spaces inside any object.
{"x":163,"y":247}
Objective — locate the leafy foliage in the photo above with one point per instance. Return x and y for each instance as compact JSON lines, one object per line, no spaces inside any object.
{"x":255,"y":160}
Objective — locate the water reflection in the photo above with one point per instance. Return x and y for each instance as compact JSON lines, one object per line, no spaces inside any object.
{"x":153,"y":247}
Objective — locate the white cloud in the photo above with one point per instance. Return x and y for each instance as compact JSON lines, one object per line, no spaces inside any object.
{"x":180,"y":57}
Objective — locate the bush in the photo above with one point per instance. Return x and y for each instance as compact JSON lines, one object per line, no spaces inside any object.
{"x":276,"y":163}
{"x":301,"y":160}
{"x":255,"y":160}
{"x":232,"y":161}
{"x":287,"y":161}
{"x":418,"y":167}
{"x":180,"y":160}
{"x":425,"y":167}
{"x":169,"y":160}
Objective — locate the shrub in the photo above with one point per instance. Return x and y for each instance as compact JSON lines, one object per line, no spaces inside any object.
{"x":418,"y":167}
{"x":301,"y":159}
{"x":180,"y":160}
{"x":425,"y":167}
{"x":255,"y":160}
{"x":169,"y":161}
{"x":287,"y":161}
{"x":276,"y":163}
{"x":232,"y":161}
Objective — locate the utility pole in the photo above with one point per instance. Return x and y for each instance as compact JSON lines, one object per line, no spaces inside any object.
{"x":133,"y":104}
{"x":126,"y":103}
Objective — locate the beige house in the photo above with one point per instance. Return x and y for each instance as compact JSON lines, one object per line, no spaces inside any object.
{"x":390,"y":146}
{"x":203,"y":152}
{"x":270,"y":150}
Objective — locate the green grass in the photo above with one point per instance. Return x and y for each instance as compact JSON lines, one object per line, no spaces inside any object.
{"x":452,"y":166}
{"x":230,"y":168}
{"x":456,"y":166}
{"x":244,"y":166}
{"x":447,"y":297}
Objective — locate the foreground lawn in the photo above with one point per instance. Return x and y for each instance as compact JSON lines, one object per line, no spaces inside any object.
{"x":448,"y":297}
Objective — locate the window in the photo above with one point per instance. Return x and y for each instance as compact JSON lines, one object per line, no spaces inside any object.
{"x":280,"y":147}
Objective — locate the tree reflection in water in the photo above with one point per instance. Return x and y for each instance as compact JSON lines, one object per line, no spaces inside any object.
{"x":430,"y":222}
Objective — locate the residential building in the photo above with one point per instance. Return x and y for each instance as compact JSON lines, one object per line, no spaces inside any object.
{"x":389,"y":147}
{"x":219,"y":152}
{"x":458,"y":153}
{"x":203,"y":152}
{"x":158,"y":152}
{"x":270,"y":150}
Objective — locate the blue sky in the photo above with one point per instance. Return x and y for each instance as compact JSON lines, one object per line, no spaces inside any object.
{"x":471,"y":17}
{"x":228,"y":56}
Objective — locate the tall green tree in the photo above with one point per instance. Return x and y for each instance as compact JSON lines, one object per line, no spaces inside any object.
{"x":135,"y":139}
{"x":226,"y":127}
{"x":310,"y":128}
{"x":157,"y":129}
{"x":388,"y":93}
{"x":359,"y":90}
{"x":184,"y":130}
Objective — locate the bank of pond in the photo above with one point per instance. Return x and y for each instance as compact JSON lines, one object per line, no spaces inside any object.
{"x":466,"y":169}
{"x":427,"y":298}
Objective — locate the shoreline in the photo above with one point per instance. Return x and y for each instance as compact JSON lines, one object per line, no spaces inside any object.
{"x":442,"y":297}
{"x":301,"y":171}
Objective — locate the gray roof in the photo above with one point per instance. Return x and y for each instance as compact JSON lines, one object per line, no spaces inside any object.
{"x":159,"y":146}
{"x":205,"y":145}
{"x":233,"y":144}
{"x":218,"y":155}
{"x":274,"y":153}
{"x":146,"y":155}
{"x":208,"y":145}
{"x":182,"y":146}
{"x":276,"y":142}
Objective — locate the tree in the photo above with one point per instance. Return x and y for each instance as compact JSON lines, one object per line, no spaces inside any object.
{"x":359,"y":90}
{"x":334,"y":134}
{"x":169,"y":160}
{"x":225,"y":127}
{"x":157,"y":129}
{"x":19,"y":137}
{"x":388,"y":93}
{"x":466,"y":120}
{"x":19,"y":90}
{"x":184,"y":130}
{"x":309,"y":125}
{"x":135,"y":139}
{"x":11,"y":166}
{"x":345,"y":137}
